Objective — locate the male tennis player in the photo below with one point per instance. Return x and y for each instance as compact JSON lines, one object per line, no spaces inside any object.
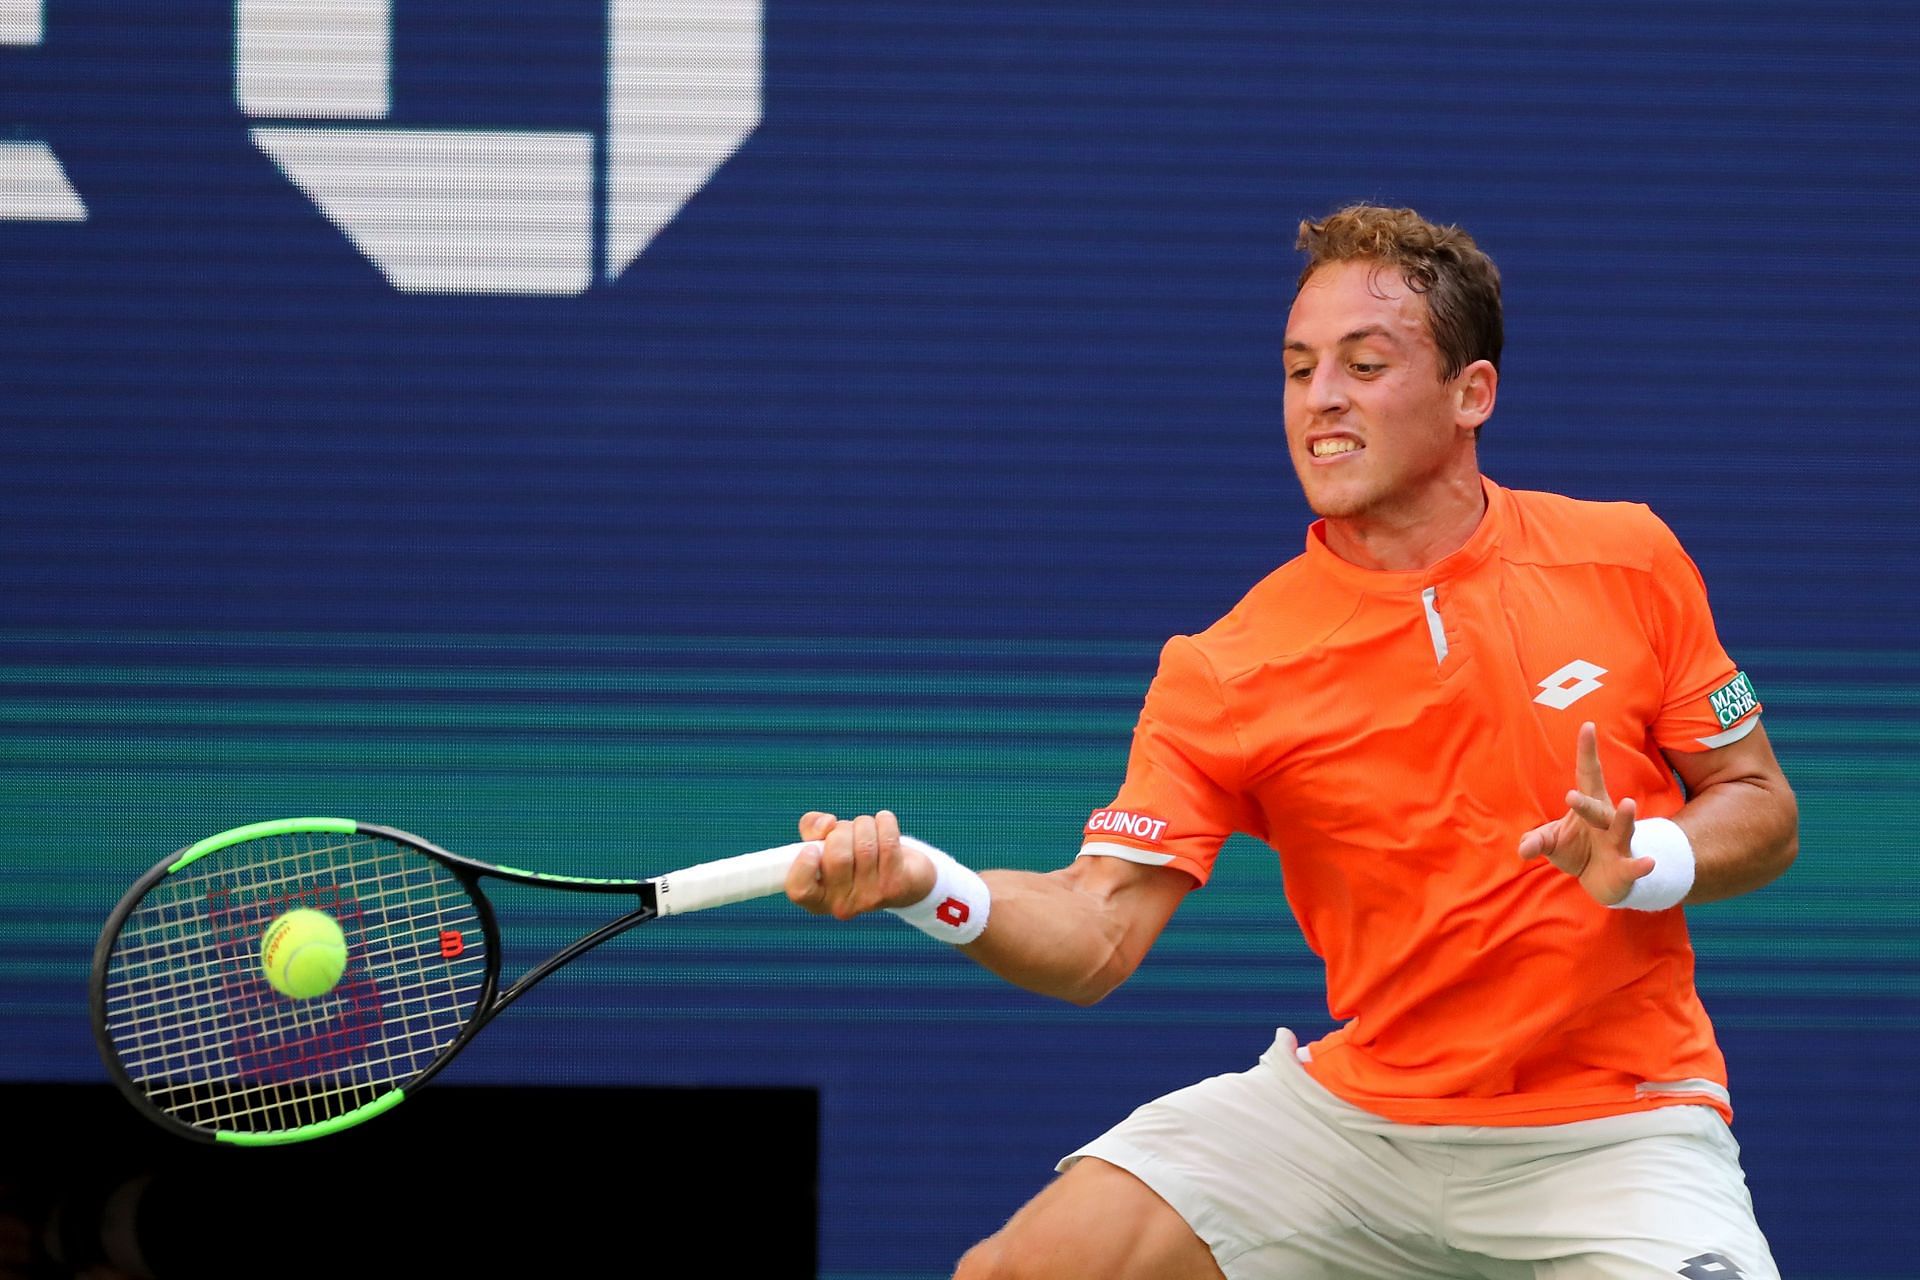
{"x":1524,"y":1082}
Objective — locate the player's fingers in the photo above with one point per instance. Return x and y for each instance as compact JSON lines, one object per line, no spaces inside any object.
{"x":1624,"y":814}
{"x":909,"y":871}
{"x":1587,"y":773}
{"x":803,"y":881}
{"x":887,"y":827}
{"x":1567,"y":844}
{"x":815,"y":825}
{"x":836,"y":861}
{"x":898,"y":866}
{"x":1595,"y":812}
{"x":866,"y":862}
{"x":1540,"y":841}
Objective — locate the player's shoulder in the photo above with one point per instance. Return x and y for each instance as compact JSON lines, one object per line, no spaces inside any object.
{"x":1289,"y":612}
{"x":1553,"y":529}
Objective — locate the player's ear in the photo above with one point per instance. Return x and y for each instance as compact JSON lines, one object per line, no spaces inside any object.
{"x":1474,"y":388}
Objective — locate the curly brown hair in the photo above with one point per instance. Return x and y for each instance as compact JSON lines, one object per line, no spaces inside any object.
{"x":1459,"y":281}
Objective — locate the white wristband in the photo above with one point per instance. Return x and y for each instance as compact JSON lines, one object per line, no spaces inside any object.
{"x":957,"y":909}
{"x":1671,"y":879}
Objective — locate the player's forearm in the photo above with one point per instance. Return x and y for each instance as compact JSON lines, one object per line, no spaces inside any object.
{"x":1046,"y":934}
{"x":1744,"y":833}
{"x":1075,"y":933}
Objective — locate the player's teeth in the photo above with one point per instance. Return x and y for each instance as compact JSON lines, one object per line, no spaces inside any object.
{"x":1327,"y":448}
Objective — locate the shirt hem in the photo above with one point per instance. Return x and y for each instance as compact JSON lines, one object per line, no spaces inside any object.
{"x":1520,"y":1110}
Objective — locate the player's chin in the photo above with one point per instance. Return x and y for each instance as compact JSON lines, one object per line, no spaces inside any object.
{"x":1333,"y":493}
{"x":1336,"y":502}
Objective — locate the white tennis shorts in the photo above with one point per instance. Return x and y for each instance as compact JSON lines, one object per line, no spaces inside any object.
{"x":1283,"y":1179}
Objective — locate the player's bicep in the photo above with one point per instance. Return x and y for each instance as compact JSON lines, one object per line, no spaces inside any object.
{"x":1748,"y":759}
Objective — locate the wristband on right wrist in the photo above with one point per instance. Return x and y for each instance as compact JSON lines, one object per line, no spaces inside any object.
{"x":956,"y":910}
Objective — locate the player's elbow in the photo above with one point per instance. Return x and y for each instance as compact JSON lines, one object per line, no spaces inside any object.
{"x":1084,"y":978}
{"x":1777,"y":841}
{"x":1102,"y":980}
{"x":1091,"y":992}
{"x":1082,"y":989}
{"x":1787,"y":847}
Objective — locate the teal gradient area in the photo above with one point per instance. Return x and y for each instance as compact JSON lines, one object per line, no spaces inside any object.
{"x":602,"y":757}
{"x":628,"y":758}
{"x":558,"y":754}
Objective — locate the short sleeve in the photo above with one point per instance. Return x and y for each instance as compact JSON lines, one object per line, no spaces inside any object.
{"x":1181,"y":798}
{"x":1706,"y":701}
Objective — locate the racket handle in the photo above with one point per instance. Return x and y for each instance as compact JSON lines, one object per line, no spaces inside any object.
{"x":715,"y":884}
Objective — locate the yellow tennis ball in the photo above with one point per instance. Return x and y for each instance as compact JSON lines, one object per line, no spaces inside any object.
{"x":304,"y":953}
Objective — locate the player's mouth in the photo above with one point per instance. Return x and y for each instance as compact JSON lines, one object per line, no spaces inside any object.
{"x":1330,"y":449}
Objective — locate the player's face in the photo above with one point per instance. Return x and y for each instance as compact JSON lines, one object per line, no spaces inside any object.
{"x":1371,"y":426}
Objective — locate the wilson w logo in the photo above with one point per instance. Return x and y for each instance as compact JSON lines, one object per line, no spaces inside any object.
{"x":499,"y":211}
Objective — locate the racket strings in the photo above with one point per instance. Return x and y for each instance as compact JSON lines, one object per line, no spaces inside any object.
{"x":197,"y":1027}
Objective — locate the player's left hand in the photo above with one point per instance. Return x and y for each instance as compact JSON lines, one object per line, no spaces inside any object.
{"x":1593,"y":842}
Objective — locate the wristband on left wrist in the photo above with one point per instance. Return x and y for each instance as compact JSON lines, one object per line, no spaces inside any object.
{"x":1674,"y":866}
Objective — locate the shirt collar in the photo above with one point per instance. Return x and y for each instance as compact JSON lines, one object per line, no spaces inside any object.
{"x":1474,"y":552}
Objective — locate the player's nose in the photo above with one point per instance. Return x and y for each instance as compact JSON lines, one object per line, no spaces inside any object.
{"x":1325,"y":392}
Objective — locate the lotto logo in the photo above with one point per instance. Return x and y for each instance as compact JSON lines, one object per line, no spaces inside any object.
{"x":1569,"y":684}
{"x":953,"y":912}
{"x":1711,"y":1266}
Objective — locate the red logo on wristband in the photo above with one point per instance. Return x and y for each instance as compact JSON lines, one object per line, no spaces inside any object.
{"x":953,"y":912}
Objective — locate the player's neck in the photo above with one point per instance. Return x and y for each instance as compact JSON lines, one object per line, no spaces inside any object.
{"x":1415,"y":534}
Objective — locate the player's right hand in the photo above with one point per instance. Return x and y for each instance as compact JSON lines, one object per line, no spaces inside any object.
{"x":860,"y":866}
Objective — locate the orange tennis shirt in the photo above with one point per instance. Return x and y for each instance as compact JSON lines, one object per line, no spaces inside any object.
{"x":1393,"y":735}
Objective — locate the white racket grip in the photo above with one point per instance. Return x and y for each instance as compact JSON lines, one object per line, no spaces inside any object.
{"x":715,"y":884}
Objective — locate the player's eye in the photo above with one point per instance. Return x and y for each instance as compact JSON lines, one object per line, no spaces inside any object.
{"x":1368,"y":370}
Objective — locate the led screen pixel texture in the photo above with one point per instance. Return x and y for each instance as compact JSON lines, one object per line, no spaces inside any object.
{"x":836,"y":405}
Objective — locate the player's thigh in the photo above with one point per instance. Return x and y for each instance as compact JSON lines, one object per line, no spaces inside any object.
{"x":1093,"y":1220}
{"x":1668,"y":1199}
{"x":1282,"y":1180}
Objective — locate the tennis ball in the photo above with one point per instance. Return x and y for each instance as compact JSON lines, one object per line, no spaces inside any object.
{"x":304,"y":953}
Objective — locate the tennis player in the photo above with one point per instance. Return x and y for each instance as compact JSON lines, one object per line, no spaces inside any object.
{"x":1524,"y":1082}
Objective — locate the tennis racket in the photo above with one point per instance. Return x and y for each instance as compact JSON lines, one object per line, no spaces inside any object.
{"x":195,"y":1034}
